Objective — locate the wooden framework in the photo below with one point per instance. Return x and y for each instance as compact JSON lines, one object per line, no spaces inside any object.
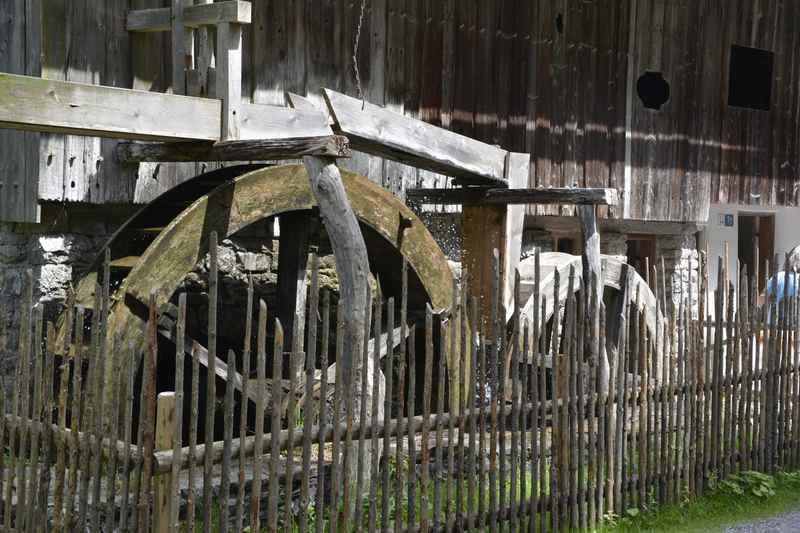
{"x":192,"y":16}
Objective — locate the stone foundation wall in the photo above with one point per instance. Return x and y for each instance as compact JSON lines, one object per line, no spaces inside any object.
{"x":614,"y":244}
{"x":681,"y":262}
{"x":52,"y":258}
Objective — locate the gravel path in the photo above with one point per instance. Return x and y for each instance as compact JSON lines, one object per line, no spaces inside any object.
{"x":785,"y":523}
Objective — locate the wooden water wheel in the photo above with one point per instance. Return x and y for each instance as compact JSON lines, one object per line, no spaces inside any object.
{"x":157,"y":248}
{"x":618,"y":281}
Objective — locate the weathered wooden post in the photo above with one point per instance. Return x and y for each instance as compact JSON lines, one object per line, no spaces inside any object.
{"x":162,"y":484}
{"x":352,"y":267}
{"x":349,"y":250}
{"x":592,"y":267}
{"x":489,"y":226}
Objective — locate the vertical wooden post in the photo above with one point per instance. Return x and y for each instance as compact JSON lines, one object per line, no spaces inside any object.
{"x":587,"y":215}
{"x":483,"y":229}
{"x":229,"y":77}
{"x":517,"y":173}
{"x":292,"y":263}
{"x":352,"y":266}
{"x":162,"y":484}
{"x":181,"y":47}
{"x":349,"y":250}
{"x":486,"y":227}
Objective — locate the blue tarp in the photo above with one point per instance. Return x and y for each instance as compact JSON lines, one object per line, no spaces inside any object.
{"x":782,"y":289}
{"x":793,"y":282}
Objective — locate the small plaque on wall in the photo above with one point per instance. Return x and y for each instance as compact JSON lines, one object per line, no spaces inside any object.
{"x":728,"y":221}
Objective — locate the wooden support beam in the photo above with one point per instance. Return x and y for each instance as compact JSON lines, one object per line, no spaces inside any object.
{"x":179,"y":47}
{"x":259,"y":121}
{"x":513,"y":196}
{"x":149,"y":20}
{"x":517,"y":174}
{"x":212,"y":14}
{"x":349,"y":251}
{"x":486,"y":227}
{"x":229,"y":77}
{"x":483,"y":229}
{"x":301,"y":102}
{"x":378,"y":131}
{"x":164,"y":441}
{"x":36,"y":104}
{"x":194,"y":16}
{"x":255,"y":150}
{"x":296,"y":231}
{"x":196,"y":350}
{"x":592,"y":266}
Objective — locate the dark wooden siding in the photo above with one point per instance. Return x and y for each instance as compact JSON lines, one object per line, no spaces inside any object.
{"x":698,"y":148}
{"x":553,"y":78}
{"x":19,"y":54}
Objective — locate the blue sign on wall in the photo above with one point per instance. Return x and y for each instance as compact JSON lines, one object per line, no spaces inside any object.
{"x":728,"y":221}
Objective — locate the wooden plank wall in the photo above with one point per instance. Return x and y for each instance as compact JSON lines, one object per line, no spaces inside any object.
{"x":19,"y":54}
{"x":697,"y":148}
{"x":555,"y":78}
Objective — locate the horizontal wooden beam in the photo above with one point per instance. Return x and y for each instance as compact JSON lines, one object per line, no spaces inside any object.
{"x":149,"y":20}
{"x":378,"y":131}
{"x":233,"y":11}
{"x":497,"y":196}
{"x":36,"y":104}
{"x":159,"y":19}
{"x":252,"y":150}
{"x":259,"y":121}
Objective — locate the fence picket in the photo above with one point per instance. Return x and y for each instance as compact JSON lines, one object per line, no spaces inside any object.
{"x":387,"y":410}
{"x":275,"y":428}
{"x":323,"y":404}
{"x":239,"y":519}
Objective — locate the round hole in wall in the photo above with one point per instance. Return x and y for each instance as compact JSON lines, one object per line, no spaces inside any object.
{"x":653,"y":90}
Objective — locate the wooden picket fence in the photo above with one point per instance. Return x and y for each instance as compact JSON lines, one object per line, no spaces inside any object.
{"x":541,"y":436}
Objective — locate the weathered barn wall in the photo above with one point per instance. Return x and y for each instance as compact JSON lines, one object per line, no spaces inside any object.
{"x":19,"y":151}
{"x":554,"y":78}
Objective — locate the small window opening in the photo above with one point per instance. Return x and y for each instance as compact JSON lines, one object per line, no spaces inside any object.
{"x":566,"y":245}
{"x":560,"y":23}
{"x":653,"y":90}
{"x":750,"y":79}
{"x":641,"y":252}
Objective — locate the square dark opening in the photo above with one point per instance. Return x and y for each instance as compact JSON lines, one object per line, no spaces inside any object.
{"x":750,"y":84}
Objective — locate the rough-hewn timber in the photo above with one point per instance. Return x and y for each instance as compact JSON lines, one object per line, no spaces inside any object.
{"x":251,"y":150}
{"x":379,"y":131}
{"x":497,"y":196}
{"x":159,"y":19}
{"x":34,"y":104}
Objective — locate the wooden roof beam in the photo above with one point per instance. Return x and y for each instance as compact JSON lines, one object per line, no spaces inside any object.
{"x":498,"y":196}
{"x":160,"y":19}
{"x":375,"y":130}
{"x":252,"y":150}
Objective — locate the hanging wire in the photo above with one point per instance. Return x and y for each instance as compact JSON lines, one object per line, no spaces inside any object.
{"x":356,"y":72}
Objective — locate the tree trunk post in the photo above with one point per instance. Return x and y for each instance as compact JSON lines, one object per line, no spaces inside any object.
{"x":352,"y":266}
{"x":592,"y":267}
